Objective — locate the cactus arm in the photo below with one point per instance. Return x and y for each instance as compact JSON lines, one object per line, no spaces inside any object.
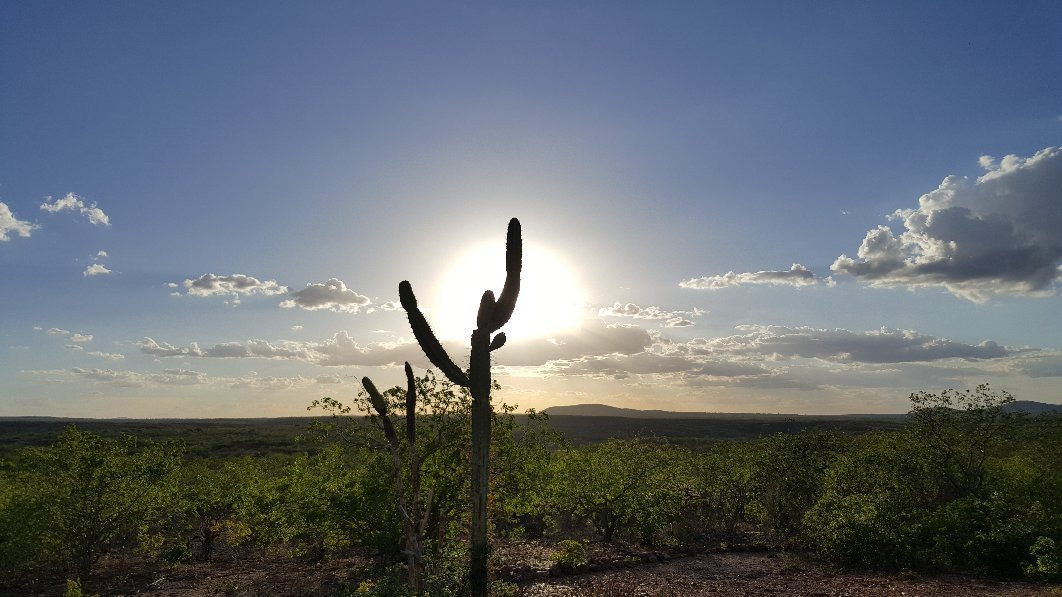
{"x":497,"y":342}
{"x":426,"y":338}
{"x":411,"y":407}
{"x":514,"y":255}
{"x":486,"y":309}
{"x":380,"y":405}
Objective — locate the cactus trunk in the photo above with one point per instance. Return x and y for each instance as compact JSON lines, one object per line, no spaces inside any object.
{"x":481,"y":418}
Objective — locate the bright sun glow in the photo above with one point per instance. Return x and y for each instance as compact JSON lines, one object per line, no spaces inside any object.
{"x":550,"y":298}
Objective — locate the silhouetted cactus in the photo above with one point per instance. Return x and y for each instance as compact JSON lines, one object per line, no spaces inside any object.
{"x":493,"y":314}
{"x":414,"y":516}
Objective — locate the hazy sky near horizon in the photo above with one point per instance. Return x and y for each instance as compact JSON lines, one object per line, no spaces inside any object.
{"x":206,"y":207}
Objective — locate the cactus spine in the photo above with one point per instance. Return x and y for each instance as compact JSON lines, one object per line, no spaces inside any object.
{"x":493,"y":314}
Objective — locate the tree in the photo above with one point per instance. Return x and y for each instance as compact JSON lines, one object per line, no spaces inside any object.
{"x":960,"y":430}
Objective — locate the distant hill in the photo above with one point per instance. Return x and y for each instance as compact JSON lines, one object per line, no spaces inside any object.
{"x":604,"y":410}
{"x":1032,"y":407}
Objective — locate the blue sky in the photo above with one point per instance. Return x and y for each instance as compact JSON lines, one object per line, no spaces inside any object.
{"x":260,"y":175}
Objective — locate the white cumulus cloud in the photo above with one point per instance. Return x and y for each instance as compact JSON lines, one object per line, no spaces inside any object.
{"x":72,"y":202}
{"x":671,"y":319}
{"x":332,"y":295}
{"x":9,"y":224}
{"x":797,"y":275}
{"x":232,"y":285}
{"x":998,"y":234}
{"x":96,"y":269}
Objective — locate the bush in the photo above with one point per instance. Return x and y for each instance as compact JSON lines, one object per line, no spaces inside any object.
{"x":69,"y":503}
{"x":948,"y":493}
{"x":788,"y":475}
{"x":630,"y":488}
{"x":570,"y":554}
{"x":1048,"y":564}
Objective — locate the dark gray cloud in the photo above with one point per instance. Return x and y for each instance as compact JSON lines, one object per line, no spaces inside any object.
{"x":797,"y":275}
{"x":878,"y":346}
{"x":1001,"y":233}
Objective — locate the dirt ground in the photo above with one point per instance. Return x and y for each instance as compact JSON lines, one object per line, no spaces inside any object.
{"x":739,"y":574}
{"x":612,"y":572}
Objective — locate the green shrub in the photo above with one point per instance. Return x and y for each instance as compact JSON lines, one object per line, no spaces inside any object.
{"x":86,"y":494}
{"x":632,"y":488}
{"x":1048,"y":563}
{"x":570,"y":554}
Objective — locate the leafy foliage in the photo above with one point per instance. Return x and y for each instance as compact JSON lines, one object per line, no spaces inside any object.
{"x":67,"y":504}
{"x":965,"y":486}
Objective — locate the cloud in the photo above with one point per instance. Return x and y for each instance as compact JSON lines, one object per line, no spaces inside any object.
{"x":81,"y":338}
{"x":162,"y":349}
{"x":230,"y":350}
{"x":654,"y":363}
{"x":267,"y":383}
{"x":671,"y":319}
{"x":1041,"y":363}
{"x":9,"y":224}
{"x":595,"y":337}
{"x":999,"y":234}
{"x":120,"y":379}
{"x":332,"y":295}
{"x":171,"y":377}
{"x":96,"y":269}
{"x":232,"y":285}
{"x":72,"y":202}
{"x":797,"y":276}
{"x":134,"y":379}
{"x":329,"y":379}
{"x":106,"y":355}
{"x":101,"y":255}
{"x":877,"y":346}
{"x":384,"y":306}
{"x":58,"y":331}
{"x":776,"y":357}
{"x":178,"y":377}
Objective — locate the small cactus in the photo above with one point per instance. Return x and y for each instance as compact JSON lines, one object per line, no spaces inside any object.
{"x":410,"y":509}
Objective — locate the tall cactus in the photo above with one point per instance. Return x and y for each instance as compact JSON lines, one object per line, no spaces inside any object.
{"x":493,"y":314}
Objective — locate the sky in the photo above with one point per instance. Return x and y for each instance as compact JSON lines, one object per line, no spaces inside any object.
{"x":789,"y":207}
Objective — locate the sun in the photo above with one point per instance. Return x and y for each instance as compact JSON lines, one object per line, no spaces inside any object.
{"x":550,"y":300}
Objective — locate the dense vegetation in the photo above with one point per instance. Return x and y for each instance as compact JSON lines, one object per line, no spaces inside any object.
{"x":964,"y":486}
